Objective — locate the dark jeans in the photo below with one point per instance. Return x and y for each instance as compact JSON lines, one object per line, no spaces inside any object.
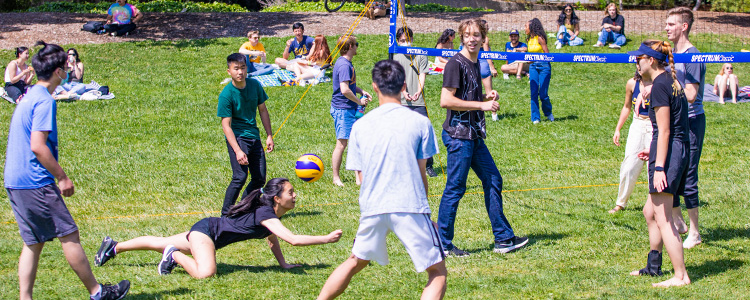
{"x":256,"y":158}
{"x":697,"y":126}
{"x":462,"y":155}
{"x":119,"y":29}
{"x":15,"y":90}
{"x":422,"y":111}
{"x":539,"y":75}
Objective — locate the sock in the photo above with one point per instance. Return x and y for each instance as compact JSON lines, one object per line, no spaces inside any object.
{"x":98,"y":294}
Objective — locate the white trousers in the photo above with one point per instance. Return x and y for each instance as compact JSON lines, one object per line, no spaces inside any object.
{"x":639,"y":138}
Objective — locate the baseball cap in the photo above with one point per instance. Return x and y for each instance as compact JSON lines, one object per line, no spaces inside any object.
{"x":514,"y":31}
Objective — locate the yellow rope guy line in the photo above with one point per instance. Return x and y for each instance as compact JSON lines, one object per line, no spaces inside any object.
{"x":332,"y":204}
{"x":330,"y":58}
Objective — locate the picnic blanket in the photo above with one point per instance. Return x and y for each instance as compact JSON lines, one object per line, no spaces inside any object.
{"x":280,"y":76}
{"x":709,"y":96}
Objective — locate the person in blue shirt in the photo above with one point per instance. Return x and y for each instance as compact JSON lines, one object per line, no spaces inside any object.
{"x":519,"y":68}
{"x":298,"y":47}
{"x":31,"y":168}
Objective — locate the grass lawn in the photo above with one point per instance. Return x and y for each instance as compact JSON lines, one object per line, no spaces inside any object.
{"x":153,"y":161}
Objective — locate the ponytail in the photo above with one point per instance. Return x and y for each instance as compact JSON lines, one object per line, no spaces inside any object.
{"x":258,"y":198}
{"x":665,"y":48}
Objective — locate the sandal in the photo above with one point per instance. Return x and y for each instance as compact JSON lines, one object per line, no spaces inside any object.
{"x":616,"y":209}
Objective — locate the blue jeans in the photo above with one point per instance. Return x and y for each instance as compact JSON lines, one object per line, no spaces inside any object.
{"x":566,"y":37}
{"x":463,"y":155}
{"x":611,"y":36}
{"x":539,"y":76}
{"x":257,"y":69}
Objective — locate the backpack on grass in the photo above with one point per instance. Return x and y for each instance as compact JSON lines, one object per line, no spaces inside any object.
{"x":93,"y":26}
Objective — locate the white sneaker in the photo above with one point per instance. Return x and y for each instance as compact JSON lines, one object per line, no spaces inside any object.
{"x":614,"y":46}
{"x":558,"y":45}
{"x":536,"y":122}
{"x":505,"y":76}
{"x":597,"y":45}
{"x":495,"y":117}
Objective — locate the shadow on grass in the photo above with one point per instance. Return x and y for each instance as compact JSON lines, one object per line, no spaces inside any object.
{"x":726,"y":233}
{"x":567,"y":118}
{"x":226,"y":269}
{"x":507,"y":116}
{"x":713,"y":267}
{"x":181,"y":44}
{"x":159,"y":295}
{"x":736,"y":20}
{"x":533,"y":239}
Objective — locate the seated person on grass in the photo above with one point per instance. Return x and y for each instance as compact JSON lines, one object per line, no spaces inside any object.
{"x":121,"y":18}
{"x":445,"y":41}
{"x":518,"y":67}
{"x":299,"y":46}
{"x":255,"y":55}
{"x":312,"y":65}
{"x":726,"y":83}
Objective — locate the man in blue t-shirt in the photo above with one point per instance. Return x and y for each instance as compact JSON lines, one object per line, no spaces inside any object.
{"x":121,"y":18}
{"x":692,"y":76}
{"x":518,"y":68}
{"x":30,"y":170}
{"x":344,"y":100}
{"x":299,"y":46}
{"x":238,"y":103}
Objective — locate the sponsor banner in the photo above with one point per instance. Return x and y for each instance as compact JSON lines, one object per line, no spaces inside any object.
{"x":721,"y":57}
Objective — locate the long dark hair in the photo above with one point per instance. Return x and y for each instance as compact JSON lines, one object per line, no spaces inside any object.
{"x":536,"y":29}
{"x":258,"y":198}
{"x":78,"y":57}
{"x":20,"y":50}
{"x":573,"y":16}
{"x":445,"y":36}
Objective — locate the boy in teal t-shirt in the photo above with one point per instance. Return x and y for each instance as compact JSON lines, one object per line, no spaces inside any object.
{"x":237,"y":105}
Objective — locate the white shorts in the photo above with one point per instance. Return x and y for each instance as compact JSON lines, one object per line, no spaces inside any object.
{"x":416,"y":232}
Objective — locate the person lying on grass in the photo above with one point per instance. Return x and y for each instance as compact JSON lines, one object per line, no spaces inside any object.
{"x":255,"y":217}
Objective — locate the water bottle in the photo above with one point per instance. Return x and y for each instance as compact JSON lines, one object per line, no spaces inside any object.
{"x":360,"y":108}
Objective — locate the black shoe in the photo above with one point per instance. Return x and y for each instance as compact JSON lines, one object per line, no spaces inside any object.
{"x":167,"y":263}
{"x":510,"y":245}
{"x":455,"y":252}
{"x":653,"y":264}
{"x":114,"y":292}
{"x":326,"y":66}
{"x":430,"y":172}
{"x":106,"y":252}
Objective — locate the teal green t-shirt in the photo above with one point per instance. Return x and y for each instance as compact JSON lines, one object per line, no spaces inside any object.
{"x":241,"y":105}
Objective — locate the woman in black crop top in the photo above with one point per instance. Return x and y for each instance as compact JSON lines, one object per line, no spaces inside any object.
{"x":667,"y":159}
{"x":255,"y":217}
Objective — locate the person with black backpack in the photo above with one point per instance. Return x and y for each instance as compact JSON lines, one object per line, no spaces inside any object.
{"x":121,"y":18}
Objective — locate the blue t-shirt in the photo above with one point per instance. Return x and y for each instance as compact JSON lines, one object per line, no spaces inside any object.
{"x":343,"y":70}
{"x":692,"y":73}
{"x":301,"y":49}
{"x":36,"y":112}
{"x":385,"y":145}
{"x":509,"y":47}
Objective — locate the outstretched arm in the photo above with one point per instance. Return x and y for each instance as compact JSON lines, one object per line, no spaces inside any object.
{"x":278,"y":229}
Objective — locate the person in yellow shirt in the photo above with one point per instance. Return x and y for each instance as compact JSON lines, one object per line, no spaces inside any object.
{"x":254,"y":48}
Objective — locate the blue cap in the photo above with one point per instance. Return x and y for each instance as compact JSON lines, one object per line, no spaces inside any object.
{"x":646,"y":50}
{"x":514,"y":31}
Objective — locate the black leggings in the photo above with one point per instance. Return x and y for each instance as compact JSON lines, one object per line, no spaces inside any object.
{"x":15,"y":90}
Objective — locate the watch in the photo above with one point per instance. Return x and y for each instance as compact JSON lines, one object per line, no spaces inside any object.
{"x":659,"y":169}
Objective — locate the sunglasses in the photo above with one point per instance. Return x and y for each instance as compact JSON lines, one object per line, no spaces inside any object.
{"x":730,"y":68}
{"x":568,"y":9}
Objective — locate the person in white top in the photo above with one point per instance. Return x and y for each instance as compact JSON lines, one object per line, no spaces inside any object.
{"x":18,"y":74}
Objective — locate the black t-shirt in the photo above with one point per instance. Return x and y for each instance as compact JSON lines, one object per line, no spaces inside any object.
{"x":618,"y":21}
{"x":228,"y":230}
{"x":462,"y":74}
{"x":663,"y":93}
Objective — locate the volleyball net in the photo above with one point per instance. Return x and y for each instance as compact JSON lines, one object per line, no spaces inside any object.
{"x":716,"y":33}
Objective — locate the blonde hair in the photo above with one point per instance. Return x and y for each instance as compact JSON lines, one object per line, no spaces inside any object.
{"x":346,"y":42}
{"x":721,"y":71}
{"x":666,"y":49}
{"x":606,"y":9}
{"x":686,"y":16}
{"x":480,"y":24}
{"x":251,"y":32}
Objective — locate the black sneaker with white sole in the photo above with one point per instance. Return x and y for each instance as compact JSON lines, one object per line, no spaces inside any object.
{"x":430,"y":172}
{"x":114,"y":291}
{"x":167,"y":263}
{"x":106,"y":251}
{"x":455,"y":252}
{"x":510,"y":245}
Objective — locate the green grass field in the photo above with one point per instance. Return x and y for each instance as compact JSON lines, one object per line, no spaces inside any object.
{"x":153,"y":161}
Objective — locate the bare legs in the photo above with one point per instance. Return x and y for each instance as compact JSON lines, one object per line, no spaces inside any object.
{"x":28,"y":263}
{"x":694,"y":236}
{"x":518,"y":68}
{"x":722,"y":83}
{"x":340,"y":278}
{"x":201,"y":265}
{"x":155,"y":243}
{"x":338,"y":153}
{"x":662,"y":232}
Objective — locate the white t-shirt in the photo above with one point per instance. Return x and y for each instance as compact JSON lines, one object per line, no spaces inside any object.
{"x":385,"y":145}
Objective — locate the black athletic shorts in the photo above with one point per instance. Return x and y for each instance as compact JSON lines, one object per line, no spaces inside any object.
{"x":201,"y":226}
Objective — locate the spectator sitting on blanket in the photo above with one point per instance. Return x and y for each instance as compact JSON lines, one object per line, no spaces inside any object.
{"x":726,"y":81}
{"x":121,"y":18}
{"x":567,"y":28}
{"x":18,"y":74}
{"x":444,"y":42}
{"x":255,"y":55}
{"x":519,"y":68}
{"x":311,"y":66}
{"x":75,"y":65}
{"x":299,"y":45}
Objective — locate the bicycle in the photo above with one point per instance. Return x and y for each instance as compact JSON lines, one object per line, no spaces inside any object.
{"x":335,"y":5}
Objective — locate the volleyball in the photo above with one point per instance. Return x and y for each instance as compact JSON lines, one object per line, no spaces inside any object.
{"x":309,"y":167}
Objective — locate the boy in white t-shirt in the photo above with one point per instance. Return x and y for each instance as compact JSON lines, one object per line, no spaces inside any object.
{"x":390,"y":146}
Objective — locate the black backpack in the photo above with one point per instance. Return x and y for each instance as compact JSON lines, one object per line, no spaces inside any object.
{"x":93,"y":26}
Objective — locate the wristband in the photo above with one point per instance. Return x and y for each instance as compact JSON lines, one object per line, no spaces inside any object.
{"x":659,"y":169}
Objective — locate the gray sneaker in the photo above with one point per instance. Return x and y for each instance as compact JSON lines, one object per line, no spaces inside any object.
{"x":510,"y":245}
{"x":430,"y":172}
{"x":167,"y":263}
{"x":106,"y":251}
{"x":114,"y":291}
{"x":455,"y":252}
